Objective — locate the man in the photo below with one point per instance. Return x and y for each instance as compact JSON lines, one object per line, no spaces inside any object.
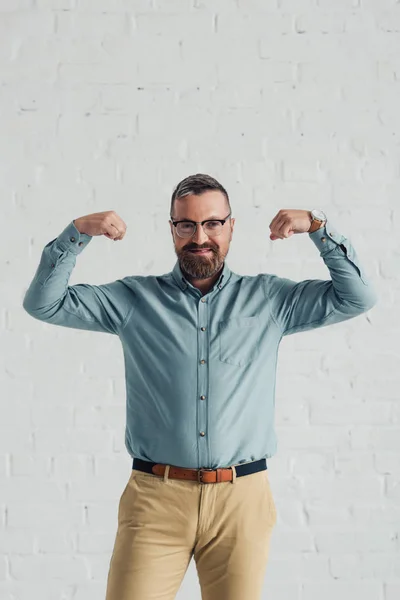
{"x":200,"y":348}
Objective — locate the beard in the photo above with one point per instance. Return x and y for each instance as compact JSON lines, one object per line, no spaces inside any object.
{"x":200,"y":266}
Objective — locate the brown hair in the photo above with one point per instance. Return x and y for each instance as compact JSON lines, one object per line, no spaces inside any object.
{"x":196,"y":185}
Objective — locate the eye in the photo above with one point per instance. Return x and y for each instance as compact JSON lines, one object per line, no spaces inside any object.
{"x":185,"y":225}
{"x":213,"y":224}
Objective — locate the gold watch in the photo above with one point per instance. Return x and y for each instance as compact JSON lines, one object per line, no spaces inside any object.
{"x":318,"y":220}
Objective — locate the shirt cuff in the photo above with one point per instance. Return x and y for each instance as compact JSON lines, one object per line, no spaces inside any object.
{"x":71,"y":239}
{"x":327,"y":237}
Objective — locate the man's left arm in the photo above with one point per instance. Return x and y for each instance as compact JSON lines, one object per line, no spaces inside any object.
{"x":313,"y":303}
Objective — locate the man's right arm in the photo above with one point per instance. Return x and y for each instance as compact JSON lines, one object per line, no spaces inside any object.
{"x":49,"y":298}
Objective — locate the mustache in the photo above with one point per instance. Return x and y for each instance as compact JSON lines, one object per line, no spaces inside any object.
{"x":198,"y":248}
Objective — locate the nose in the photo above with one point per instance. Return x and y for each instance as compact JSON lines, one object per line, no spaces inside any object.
{"x":200,"y":237}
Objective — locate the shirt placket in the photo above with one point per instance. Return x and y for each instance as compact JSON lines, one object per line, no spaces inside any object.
{"x":203,"y":379}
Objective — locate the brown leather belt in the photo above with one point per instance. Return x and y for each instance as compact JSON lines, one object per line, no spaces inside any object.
{"x":201,"y":475}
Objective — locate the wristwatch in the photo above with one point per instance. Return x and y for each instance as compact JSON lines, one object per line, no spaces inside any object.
{"x":318,"y":220}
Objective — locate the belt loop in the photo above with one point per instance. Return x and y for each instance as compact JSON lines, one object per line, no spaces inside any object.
{"x":233,"y":474}
{"x":166,"y":472}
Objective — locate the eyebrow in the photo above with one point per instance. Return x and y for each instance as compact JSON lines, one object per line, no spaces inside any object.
{"x":208,"y":218}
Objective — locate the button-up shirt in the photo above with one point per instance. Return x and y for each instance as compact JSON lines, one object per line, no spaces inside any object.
{"x":200,"y":369}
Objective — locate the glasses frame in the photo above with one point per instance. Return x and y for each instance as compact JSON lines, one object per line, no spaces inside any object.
{"x":175,"y":223}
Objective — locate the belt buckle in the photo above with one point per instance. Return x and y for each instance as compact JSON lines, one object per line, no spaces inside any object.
{"x":199,"y":475}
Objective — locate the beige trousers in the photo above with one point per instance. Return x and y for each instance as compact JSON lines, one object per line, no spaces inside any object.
{"x":163,"y":522}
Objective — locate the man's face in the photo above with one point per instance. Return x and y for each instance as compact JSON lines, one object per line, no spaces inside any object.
{"x":209,"y":205}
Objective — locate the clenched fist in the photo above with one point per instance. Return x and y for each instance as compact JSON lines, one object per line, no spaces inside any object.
{"x":106,"y":223}
{"x":289,"y":221}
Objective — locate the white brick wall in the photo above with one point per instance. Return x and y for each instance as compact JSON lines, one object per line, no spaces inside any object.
{"x":107,"y":104}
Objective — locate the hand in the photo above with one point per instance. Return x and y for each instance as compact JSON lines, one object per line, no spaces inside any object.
{"x":106,"y":223}
{"x":289,"y":221}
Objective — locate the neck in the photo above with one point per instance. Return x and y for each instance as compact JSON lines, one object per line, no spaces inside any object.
{"x":204,"y":285}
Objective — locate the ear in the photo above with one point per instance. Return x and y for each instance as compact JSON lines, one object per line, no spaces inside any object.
{"x":232,"y":227}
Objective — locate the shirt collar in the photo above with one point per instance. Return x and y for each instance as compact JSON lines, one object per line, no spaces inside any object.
{"x":184,"y":283}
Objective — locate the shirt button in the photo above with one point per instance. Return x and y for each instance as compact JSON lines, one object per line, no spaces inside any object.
{"x":202,"y":433}
{"x":72,"y":239}
{"x":202,"y":361}
{"x":80,"y":244}
{"x":202,"y":397}
{"x":332,"y":234}
{"x":203,"y":300}
{"x":323,"y":239}
{"x":203,"y":328}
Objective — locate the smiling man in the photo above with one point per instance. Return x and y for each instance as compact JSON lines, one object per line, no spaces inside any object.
{"x":201,"y":246}
{"x":200,"y":349}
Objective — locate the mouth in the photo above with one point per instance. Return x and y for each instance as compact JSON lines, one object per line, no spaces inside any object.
{"x":205,"y":251}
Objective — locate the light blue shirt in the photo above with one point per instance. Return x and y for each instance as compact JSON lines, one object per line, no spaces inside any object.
{"x":200,"y":369}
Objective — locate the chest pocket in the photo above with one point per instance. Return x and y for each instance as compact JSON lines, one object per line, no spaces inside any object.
{"x":238,"y":340}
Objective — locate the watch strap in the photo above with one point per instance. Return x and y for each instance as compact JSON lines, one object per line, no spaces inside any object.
{"x":315,"y":224}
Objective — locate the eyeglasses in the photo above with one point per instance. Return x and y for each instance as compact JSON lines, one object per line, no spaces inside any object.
{"x":212,"y":227}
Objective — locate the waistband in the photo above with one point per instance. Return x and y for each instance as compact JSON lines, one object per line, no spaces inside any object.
{"x":202,"y":475}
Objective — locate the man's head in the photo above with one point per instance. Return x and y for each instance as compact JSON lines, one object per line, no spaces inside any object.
{"x":198,"y":198}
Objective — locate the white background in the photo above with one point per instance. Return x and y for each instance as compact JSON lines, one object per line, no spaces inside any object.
{"x":107,"y":104}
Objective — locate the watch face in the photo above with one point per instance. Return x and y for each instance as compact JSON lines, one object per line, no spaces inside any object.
{"x":318,"y":214}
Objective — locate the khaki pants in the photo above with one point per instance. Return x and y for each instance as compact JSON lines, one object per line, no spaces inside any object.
{"x":163,"y":522}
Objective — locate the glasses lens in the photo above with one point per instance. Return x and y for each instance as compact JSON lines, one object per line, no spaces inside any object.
{"x":185,"y":229}
{"x":213,"y":227}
